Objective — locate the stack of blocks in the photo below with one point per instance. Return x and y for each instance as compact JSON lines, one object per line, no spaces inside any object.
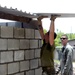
{"x":19,"y":51}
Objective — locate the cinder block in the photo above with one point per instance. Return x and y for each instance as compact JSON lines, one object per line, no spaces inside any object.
{"x":22,"y":73}
{"x":38,"y":71}
{"x":33,"y":43}
{"x":24,"y":44}
{"x":3,"y":44}
{"x":39,"y":62}
{"x":29,"y":54}
{"x":2,"y":23}
{"x":30,"y":72}
{"x":15,"y":24}
{"x":37,"y":34}
{"x":13,"y":67}
{"x":29,"y":33}
{"x":3,"y":69}
{"x":6,"y":56}
{"x":6,"y":32}
{"x":19,"y":32}
{"x":33,"y":63}
{"x":13,"y":44}
{"x":37,"y":53}
{"x":0,"y":30}
{"x":18,"y":55}
{"x":24,"y":65}
{"x":40,"y":43}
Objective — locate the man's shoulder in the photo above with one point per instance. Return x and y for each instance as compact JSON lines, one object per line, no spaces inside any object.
{"x":69,"y":47}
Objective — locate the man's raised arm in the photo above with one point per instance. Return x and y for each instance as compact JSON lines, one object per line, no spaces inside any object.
{"x":52,"y":29}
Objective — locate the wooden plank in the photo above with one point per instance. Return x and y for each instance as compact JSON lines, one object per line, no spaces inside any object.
{"x":16,"y":12}
{"x":14,"y":17}
{"x":68,"y":15}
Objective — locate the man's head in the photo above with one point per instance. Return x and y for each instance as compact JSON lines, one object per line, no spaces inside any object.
{"x":47,"y":36}
{"x":55,"y":35}
{"x":64,"y":39}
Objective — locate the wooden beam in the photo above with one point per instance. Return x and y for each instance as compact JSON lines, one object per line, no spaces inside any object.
{"x":13,"y":17}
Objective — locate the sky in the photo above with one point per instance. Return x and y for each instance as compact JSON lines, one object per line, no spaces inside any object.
{"x":66,"y":25}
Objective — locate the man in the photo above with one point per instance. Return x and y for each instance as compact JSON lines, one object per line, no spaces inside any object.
{"x":47,"y":50}
{"x":66,"y":66}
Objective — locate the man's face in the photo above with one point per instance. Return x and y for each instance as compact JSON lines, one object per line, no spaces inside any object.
{"x":64,"y":40}
{"x":47,"y":37}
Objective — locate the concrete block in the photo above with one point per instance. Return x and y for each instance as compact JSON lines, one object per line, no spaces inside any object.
{"x":2,"y":23}
{"x":15,"y":24}
{"x":19,"y":32}
{"x":6,"y":56}
{"x":39,"y":62}
{"x":3,"y":69}
{"x":30,"y":25}
{"x":18,"y":55}
{"x":24,"y":44}
{"x":33,"y":63}
{"x":37,"y":34}
{"x":29,"y":54}
{"x":37,"y":53}
{"x":22,"y":73}
{"x":24,"y":65}
{"x":0,"y":30}
{"x":29,"y":33}
{"x":40,"y":43}
{"x":33,"y":43}
{"x":13,"y":67}
{"x":38,"y":71}
{"x":13,"y":44}
{"x":30,"y":72}
{"x":3,"y":44}
{"x":6,"y":32}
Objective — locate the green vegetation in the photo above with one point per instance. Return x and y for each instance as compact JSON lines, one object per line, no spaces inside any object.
{"x":70,"y":37}
{"x":59,"y":33}
{"x":45,"y":31}
{"x":57,"y":61}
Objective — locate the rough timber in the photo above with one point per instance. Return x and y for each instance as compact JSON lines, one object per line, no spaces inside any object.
{"x":57,"y":14}
{"x":14,"y":14}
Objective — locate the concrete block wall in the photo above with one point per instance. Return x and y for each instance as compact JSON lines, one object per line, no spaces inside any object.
{"x":19,"y":51}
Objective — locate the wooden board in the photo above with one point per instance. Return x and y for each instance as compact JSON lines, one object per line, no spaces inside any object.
{"x":18,"y":13}
{"x":69,"y":15}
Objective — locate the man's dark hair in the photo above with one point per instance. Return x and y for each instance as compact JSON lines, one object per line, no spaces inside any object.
{"x":55,"y":35}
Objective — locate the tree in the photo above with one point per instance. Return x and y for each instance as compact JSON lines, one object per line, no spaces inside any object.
{"x":45,"y":31}
{"x":57,"y":40}
{"x":59,"y":34}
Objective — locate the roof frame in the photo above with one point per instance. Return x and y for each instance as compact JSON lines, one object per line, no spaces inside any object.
{"x":14,"y":14}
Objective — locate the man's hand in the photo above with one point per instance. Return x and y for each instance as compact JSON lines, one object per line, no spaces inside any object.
{"x":41,"y":17}
{"x":53,"y":17}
